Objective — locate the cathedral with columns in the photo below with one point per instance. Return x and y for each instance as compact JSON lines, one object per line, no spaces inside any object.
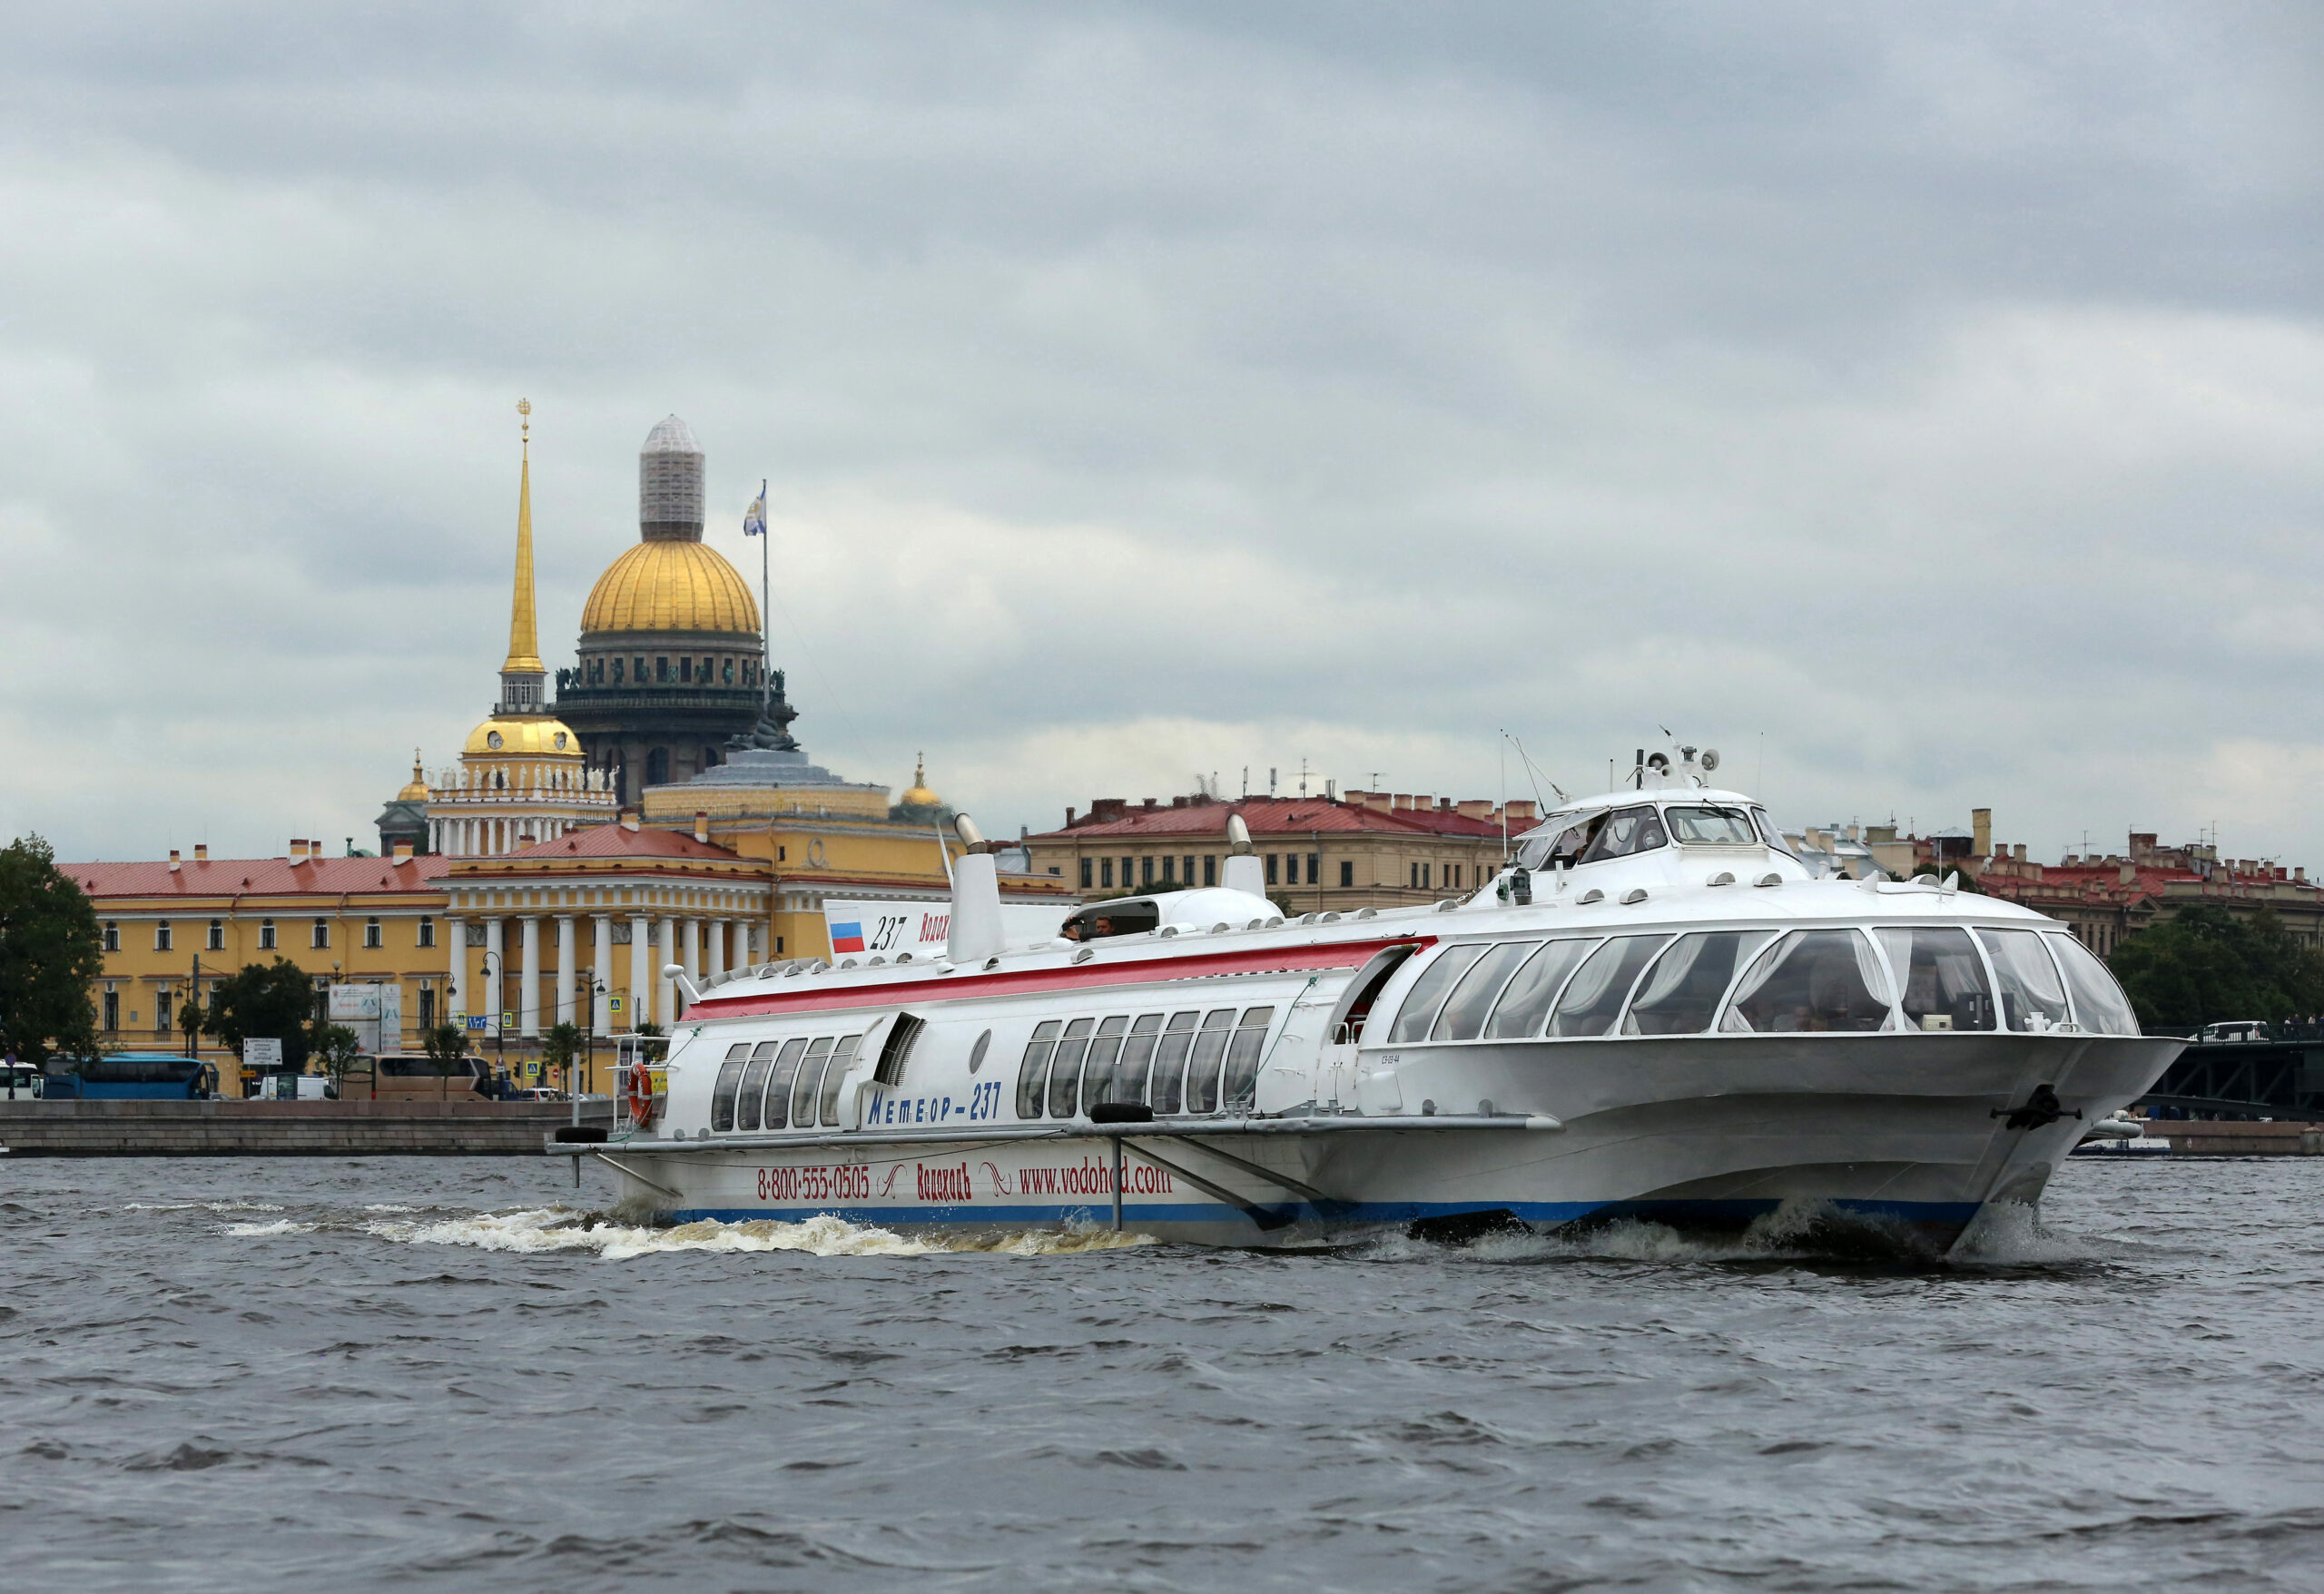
{"x":656,"y":810}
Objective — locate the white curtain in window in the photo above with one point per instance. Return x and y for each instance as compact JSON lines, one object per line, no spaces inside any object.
{"x":1732,"y":1021}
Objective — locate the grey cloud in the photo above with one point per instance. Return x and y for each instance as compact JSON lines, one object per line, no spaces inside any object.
{"x":1933,"y":393}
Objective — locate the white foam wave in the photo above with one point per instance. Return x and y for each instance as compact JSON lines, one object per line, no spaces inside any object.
{"x":556,"y":1229}
{"x":202,"y":1206}
{"x":280,"y":1225}
{"x":2009,"y":1233}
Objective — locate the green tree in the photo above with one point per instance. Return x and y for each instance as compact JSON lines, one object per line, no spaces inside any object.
{"x":51,"y":952}
{"x":447,"y":1049}
{"x":274,"y":1000}
{"x":559,"y":1045}
{"x":335,"y":1046}
{"x":2207,"y":965}
{"x":190,"y":1021}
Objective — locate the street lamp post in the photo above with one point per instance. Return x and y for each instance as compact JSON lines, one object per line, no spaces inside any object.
{"x":500,"y":1037}
{"x":594,"y":988}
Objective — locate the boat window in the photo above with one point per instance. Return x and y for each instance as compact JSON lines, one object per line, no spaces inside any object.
{"x":835,"y":1076}
{"x":722,"y":1094}
{"x":1566,"y":846}
{"x":1770,"y":835}
{"x":1595,"y":994}
{"x":1137,"y":1058}
{"x":1242,"y":1057}
{"x":1525,"y":1005}
{"x":896,"y":1050}
{"x":2033,"y":996}
{"x":976,"y":1052}
{"x":1812,"y":981}
{"x":1942,"y":978}
{"x":1463,"y":1018}
{"x":746,"y":1102}
{"x":1202,"y":1071}
{"x":778,"y":1084}
{"x":1710,"y":827}
{"x":1101,"y":920}
{"x":806,"y":1093}
{"x":1170,"y":1062}
{"x":1065,"y":1068}
{"x":2099,"y":1003}
{"x":1427,"y":994}
{"x":1680,"y":996}
{"x":1033,"y":1072}
{"x":1105,"y":1051}
{"x":1627,"y":831}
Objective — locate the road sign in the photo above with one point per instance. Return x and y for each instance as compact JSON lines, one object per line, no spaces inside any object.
{"x":262,"y":1054}
{"x":479,"y":1021}
{"x":508,"y":1020}
{"x":613,"y":1004}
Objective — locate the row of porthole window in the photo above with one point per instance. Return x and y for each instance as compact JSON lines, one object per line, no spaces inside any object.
{"x":782,"y":1084}
{"x":1189,"y":1062}
{"x":164,"y":937}
{"x":1760,"y":982}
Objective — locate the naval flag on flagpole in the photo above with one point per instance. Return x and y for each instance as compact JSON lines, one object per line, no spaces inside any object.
{"x":754,"y":518}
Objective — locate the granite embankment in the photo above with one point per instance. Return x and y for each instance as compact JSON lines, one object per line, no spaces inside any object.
{"x":286,"y":1128}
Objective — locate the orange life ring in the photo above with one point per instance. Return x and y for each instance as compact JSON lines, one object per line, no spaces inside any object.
{"x":640,"y":1095}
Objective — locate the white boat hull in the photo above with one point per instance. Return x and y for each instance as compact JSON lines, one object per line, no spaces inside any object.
{"x":1906,"y":1132}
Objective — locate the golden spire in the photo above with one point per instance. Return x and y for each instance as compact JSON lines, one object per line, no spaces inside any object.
{"x":524,"y":630}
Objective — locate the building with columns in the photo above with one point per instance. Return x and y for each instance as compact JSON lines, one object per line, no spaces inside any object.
{"x":539,"y":934}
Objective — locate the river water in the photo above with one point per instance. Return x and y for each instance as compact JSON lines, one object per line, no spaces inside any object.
{"x":417,"y":1373}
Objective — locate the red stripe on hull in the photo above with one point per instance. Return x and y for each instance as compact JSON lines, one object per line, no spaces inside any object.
{"x":1028,"y":981}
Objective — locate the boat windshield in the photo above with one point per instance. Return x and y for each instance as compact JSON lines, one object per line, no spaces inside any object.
{"x":1627,"y":831}
{"x":1710,"y":827}
{"x":1565,"y":846}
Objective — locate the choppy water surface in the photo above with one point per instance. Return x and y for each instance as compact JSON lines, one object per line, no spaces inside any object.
{"x":416,"y":1373}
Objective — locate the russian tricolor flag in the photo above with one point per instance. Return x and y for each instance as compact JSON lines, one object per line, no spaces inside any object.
{"x":847,"y":938}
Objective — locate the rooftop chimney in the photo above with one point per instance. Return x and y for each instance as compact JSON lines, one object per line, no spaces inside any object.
{"x":202,"y":852}
{"x":700,"y":827}
{"x":1069,"y":819}
{"x":1981,"y":828}
{"x":629,"y":819}
{"x":403,"y":852}
{"x":298,"y":848}
{"x":173,"y":860}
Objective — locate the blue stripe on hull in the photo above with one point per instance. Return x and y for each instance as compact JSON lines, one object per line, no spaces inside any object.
{"x":1947,"y":1218}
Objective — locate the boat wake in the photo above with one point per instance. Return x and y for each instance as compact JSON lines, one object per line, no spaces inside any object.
{"x":560,"y":1229}
{"x":2006,"y":1235}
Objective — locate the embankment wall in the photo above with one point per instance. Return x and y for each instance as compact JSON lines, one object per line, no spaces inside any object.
{"x":287,"y":1128}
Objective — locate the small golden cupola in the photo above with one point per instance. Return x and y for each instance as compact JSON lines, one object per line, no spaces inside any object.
{"x":920,"y":796}
{"x":416,"y":791}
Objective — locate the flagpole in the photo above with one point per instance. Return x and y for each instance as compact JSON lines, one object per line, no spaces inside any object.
{"x":766,"y":605}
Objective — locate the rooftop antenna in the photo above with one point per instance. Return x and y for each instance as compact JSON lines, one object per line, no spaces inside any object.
{"x":1271,"y":780}
{"x":1503,"y":804}
{"x":1246,"y":781}
{"x":1302,"y":774}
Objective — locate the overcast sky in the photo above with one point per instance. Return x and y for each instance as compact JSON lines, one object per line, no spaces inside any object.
{"x":1923,"y":406}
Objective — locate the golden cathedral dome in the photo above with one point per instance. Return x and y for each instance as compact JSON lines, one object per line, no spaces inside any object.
{"x":671,"y":587}
{"x":529,"y":736}
{"x":416,"y":791}
{"x":920,"y":796}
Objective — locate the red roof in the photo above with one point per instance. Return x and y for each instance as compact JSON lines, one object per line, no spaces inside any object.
{"x":1275,"y":816}
{"x":227,"y":877}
